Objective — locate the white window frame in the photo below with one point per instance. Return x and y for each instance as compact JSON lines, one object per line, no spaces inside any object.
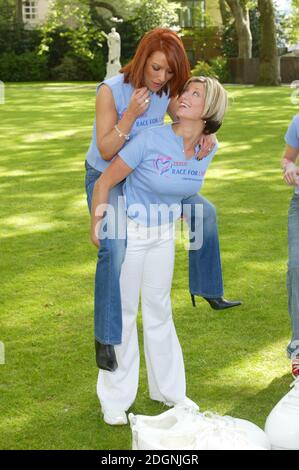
{"x":30,"y":10}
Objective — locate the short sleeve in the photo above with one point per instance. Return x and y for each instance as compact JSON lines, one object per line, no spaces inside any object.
{"x":292,"y":135}
{"x":133,"y":153}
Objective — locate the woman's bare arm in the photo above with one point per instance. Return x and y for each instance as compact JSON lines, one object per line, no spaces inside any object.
{"x":108,"y":140}
{"x":289,"y":166}
{"x":117,"y":171}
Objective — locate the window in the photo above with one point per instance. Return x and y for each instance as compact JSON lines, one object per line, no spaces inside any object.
{"x":30,"y":10}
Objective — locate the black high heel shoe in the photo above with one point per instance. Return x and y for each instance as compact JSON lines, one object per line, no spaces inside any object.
{"x":219,"y":303}
{"x":105,"y":357}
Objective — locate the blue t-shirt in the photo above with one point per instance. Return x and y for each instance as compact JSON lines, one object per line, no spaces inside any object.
{"x":292,"y":137}
{"x":122,"y":92}
{"x":162,"y":176}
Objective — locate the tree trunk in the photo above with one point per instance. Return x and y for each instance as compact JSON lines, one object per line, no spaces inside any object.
{"x":241,"y":15}
{"x":269,"y":60}
{"x":19,"y":13}
{"x":225,"y":14}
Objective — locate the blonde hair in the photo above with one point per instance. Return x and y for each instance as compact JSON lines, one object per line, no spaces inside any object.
{"x":216,"y":102}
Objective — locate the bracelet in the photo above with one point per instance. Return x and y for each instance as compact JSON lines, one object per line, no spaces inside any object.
{"x":121,"y":134}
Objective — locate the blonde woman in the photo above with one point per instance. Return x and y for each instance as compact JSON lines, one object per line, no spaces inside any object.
{"x":129,"y":103}
{"x":161,"y":169}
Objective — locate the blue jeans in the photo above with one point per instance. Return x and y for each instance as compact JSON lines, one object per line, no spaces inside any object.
{"x":293,"y":274}
{"x":205,"y":273}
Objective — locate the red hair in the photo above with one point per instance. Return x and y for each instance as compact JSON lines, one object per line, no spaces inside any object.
{"x":168,"y":42}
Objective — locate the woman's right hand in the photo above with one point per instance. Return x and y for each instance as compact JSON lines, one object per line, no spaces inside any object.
{"x":95,"y":241}
{"x":140,"y":101}
{"x":95,"y":230}
{"x":291,"y":174}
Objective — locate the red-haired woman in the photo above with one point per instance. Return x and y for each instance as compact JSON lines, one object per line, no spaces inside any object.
{"x":139,"y":97}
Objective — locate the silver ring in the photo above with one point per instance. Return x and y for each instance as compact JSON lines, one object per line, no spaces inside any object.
{"x":147,"y":100}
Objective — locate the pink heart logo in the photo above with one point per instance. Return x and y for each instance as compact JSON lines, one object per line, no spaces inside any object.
{"x":162,"y":164}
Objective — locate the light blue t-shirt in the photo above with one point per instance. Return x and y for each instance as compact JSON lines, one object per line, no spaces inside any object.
{"x":162,"y":176}
{"x":292,"y":137}
{"x":122,"y":92}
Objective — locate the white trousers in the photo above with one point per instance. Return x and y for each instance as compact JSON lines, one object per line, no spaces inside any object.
{"x":147,"y":269}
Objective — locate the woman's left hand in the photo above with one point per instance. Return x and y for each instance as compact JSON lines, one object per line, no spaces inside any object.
{"x":207,"y":143}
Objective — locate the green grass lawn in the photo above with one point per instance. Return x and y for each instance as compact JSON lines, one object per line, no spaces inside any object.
{"x":235,"y":360}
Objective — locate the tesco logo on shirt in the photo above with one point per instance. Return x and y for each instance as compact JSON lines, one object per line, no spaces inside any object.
{"x":165,"y":166}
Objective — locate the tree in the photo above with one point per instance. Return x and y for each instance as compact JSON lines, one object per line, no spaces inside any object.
{"x":7,"y":12}
{"x":72,"y":20}
{"x":19,"y":13}
{"x":154,"y":13}
{"x":269,"y":60}
{"x":240,"y":12}
{"x":225,"y":13}
{"x":293,"y":24}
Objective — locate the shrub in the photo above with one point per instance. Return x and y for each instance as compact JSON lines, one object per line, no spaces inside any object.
{"x":27,"y":67}
{"x":76,"y":68}
{"x":217,"y":68}
{"x":65,"y":71}
{"x":203,"y":68}
{"x":221,"y":68}
{"x":18,"y":40}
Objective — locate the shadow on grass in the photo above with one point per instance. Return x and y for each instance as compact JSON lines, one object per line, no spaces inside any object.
{"x":250,"y":406}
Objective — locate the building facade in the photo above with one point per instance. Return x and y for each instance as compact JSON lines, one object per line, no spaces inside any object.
{"x":35,"y":11}
{"x":202,"y":23}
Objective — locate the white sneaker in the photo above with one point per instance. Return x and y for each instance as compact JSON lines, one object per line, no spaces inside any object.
{"x":115,"y":417}
{"x":187,"y":403}
{"x":180,"y":421}
{"x":282,"y":425}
